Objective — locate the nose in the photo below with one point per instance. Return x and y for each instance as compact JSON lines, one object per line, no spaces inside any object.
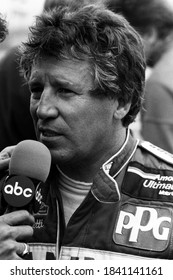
{"x":47,"y":107}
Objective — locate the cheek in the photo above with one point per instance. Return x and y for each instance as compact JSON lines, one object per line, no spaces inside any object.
{"x":91,"y":123}
{"x":33,"y":108}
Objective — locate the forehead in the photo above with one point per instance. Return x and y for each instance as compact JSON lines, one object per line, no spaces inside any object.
{"x":68,"y":70}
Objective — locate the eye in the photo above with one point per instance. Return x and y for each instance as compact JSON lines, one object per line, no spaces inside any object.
{"x":36,"y":91}
{"x":65,"y":92}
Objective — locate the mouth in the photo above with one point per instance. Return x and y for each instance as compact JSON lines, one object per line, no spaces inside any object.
{"x":47,"y":133}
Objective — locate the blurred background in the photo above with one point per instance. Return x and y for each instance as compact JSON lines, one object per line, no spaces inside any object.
{"x":19,"y":15}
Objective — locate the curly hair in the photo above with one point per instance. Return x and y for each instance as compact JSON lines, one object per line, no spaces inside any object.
{"x":111,"y":46}
{"x":50,"y":4}
{"x":3,"y":29}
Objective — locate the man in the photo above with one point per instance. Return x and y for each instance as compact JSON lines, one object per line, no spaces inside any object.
{"x":86,"y":70}
{"x":154,"y":21}
{"x":14,"y":92}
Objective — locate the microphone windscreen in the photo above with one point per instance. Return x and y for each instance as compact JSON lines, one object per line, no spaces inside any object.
{"x":32,"y":159}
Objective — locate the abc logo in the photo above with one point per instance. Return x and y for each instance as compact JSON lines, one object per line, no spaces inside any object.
{"x":18,"y":191}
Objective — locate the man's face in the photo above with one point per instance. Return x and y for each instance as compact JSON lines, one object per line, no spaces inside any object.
{"x":76,"y":126}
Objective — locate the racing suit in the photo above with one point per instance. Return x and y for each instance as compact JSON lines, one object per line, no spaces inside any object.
{"x":128,"y":211}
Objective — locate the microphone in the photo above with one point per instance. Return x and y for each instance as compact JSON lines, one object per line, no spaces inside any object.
{"x":29,"y":168}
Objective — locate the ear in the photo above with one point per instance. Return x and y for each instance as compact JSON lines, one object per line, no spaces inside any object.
{"x":121,"y":110}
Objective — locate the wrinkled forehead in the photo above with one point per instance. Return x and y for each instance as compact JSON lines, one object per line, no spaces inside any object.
{"x":66,"y":71}
{"x":66,"y":57}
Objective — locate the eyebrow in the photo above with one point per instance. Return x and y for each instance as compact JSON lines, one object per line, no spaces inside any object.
{"x":54,"y":80}
{"x":37,"y":80}
{"x":63,"y":82}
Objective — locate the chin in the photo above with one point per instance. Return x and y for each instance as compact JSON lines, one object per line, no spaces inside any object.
{"x":60,"y":157}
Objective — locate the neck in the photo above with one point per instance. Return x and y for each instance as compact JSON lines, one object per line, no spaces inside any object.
{"x":85,"y":170}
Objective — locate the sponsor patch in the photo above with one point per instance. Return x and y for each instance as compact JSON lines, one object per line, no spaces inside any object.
{"x":148,"y":183}
{"x":143,"y":227}
{"x":40,"y":216}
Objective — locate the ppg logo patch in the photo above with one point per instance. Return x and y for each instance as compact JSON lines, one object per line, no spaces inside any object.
{"x":143,"y":227}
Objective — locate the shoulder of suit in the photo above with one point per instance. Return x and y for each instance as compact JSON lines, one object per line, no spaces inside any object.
{"x":157,"y":152}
